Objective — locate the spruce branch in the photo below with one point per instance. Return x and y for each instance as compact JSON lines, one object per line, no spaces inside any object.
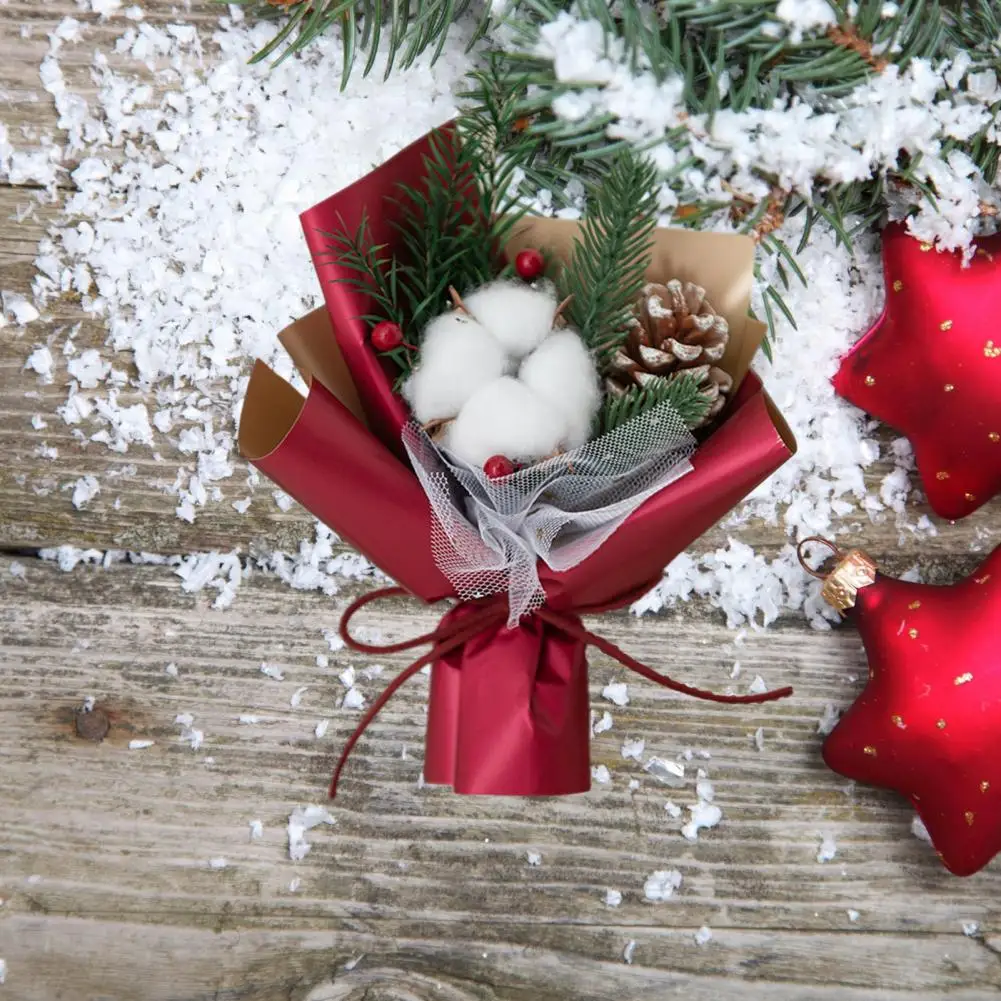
{"x":609,"y":260}
{"x":680,"y":391}
{"x":411,"y":27}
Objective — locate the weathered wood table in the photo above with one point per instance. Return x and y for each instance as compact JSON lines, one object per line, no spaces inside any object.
{"x":131,"y":873}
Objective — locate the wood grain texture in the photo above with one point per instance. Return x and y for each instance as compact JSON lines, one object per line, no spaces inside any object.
{"x":106,"y":850}
{"x":414,"y":894}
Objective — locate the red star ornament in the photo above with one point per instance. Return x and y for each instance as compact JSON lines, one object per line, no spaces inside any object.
{"x":931,"y":367}
{"x":928,"y":723}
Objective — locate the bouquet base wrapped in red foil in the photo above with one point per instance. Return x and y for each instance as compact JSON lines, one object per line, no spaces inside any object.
{"x":509,"y":708}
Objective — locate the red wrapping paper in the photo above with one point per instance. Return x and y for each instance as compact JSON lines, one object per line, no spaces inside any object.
{"x":508,"y":711}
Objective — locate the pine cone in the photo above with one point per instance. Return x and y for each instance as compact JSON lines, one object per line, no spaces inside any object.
{"x":673,"y":330}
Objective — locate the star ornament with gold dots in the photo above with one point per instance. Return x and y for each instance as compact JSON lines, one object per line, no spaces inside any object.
{"x":928,"y":722}
{"x":931,"y":367}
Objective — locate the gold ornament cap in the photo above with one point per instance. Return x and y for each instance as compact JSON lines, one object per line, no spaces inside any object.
{"x":853,"y":571}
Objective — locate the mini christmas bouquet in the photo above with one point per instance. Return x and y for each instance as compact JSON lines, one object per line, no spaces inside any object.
{"x":530,"y":415}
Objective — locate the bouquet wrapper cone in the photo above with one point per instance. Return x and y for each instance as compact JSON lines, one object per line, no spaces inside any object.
{"x":508,"y":710}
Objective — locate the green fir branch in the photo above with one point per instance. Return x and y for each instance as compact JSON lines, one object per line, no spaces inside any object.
{"x":409,"y":28}
{"x":606,"y":269}
{"x":680,"y":391}
{"x":375,"y":273}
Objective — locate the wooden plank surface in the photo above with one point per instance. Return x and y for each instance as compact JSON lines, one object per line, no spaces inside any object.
{"x":414,"y":894}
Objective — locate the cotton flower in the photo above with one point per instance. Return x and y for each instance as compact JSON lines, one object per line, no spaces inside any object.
{"x":562,"y":372}
{"x":506,"y":417}
{"x":458,"y":356}
{"x":518,"y":316}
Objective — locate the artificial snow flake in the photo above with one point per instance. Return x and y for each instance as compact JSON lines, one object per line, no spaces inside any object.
{"x":601,"y":774}
{"x":828,"y":848}
{"x":829,"y":720}
{"x":853,"y":915}
{"x":971,"y":928}
{"x":139,"y":745}
{"x":633,"y":749}
{"x":919,"y":830}
{"x":670,"y":773}
{"x":84,"y":491}
{"x":661,"y":885}
{"x":189,"y":733}
{"x":703,"y":936}
{"x":613,"y":898}
{"x":218,"y":863}
{"x":533,"y":858}
{"x":617,"y":692}
{"x":627,"y":952}
{"x":301,"y":820}
{"x":256,"y":830}
{"x":13,"y":307}
{"x":601,"y":724}
{"x":353,"y":699}
{"x":321,"y":728}
{"x":273,"y":671}
{"x":702,"y":816}
{"x":40,"y":361}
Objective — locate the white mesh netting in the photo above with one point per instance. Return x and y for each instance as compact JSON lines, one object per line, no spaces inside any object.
{"x":488,"y":535}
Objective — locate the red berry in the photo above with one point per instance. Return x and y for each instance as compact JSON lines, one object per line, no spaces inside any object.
{"x":529,"y":264}
{"x":386,"y":336}
{"x":498,"y":466}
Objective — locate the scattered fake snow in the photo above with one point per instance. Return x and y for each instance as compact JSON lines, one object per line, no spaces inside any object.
{"x":617,"y":692}
{"x":256,"y":830}
{"x":534,"y":858}
{"x":828,"y":848}
{"x":919,"y":830}
{"x":613,"y":898}
{"x":139,"y":745}
{"x":189,"y":248}
{"x":599,"y":724}
{"x":301,"y":820}
{"x":189,"y":732}
{"x":189,"y":305}
{"x":703,"y":936}
{"x":601,"y":774}
{"x":661,"y":885}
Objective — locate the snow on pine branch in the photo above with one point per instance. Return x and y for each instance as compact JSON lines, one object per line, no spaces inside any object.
{"x":803,"y":142}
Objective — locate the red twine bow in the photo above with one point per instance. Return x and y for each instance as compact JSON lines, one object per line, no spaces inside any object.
{"x":491,"y":613}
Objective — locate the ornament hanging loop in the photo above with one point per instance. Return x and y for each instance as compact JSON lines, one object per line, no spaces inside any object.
{"x":854,"y":571}
{"x":821,"y":541}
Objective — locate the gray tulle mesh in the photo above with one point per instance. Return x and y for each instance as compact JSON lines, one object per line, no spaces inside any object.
{"x":488,"y":535}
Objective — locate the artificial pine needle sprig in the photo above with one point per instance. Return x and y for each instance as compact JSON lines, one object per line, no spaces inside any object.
{"x":409,"y":27}
{"x":376,"y":272}
{"x":681,"y":392}
{"x":454,"y":223}
{"x":606,"y":269}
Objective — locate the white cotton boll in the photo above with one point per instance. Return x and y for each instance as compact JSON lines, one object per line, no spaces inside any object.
{"x":561,"y":371}
{"x":518,"y":316}
{"x":457,"y":357}
{"x":505,"y":417}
